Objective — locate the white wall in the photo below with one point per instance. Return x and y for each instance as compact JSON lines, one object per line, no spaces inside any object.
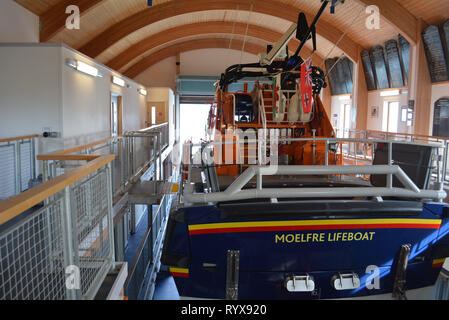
{"x":87,"y":101}
{"x":212,"y":62}
{"x":30,"y":90}
{"x":162,"y":74}
{"x":17,"y":24}
{"x":203,"y":62}
{"x":375,"y":99}
{"x":38,"y":90}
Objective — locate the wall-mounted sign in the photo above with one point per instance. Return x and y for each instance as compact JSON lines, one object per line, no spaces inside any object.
{"x":380,"y":67}
{"x":404,"y":49}
{"x":374,"y":112}
{"x":441,"y":118}
{"x":340,"y":75}
{"x":369,"y":72}
{"x":446,"y":40}
{"x":436,"y":59}
{"x":394,"y":64}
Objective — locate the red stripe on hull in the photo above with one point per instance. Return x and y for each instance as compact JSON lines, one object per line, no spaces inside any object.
{"x":180,"y":275}
{"x":328,"y":227}
{"x":437,"y":265}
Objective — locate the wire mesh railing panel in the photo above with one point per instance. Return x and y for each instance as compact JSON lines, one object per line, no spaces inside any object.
{"x":119,"y":170}
{"x":25,"y":164}
{"x":7,"y":172}
{"x":92,"y":240}
{"x":17,"y":166}
{"x":31,"y":260}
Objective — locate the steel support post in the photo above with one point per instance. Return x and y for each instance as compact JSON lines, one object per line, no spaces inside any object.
{"x":132,"y":222}
{"x":18,"y":176}
{"x":33,"y":158}
{"x":69,"y":259}
{"x":109,"y":191}
{"x":155,"y":138}
{"x":390,"y":162}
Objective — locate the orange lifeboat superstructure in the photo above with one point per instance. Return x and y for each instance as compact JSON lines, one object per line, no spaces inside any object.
{"x":268,"y":110}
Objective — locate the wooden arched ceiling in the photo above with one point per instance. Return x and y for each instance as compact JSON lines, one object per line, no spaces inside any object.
{"x":431,"y":11}
{"x":394,"y":12}
{"x":110,"y":21}
{"x":214,"y":27}
{"x":53,"y":21}
{"x":398,"y":16}
{"x":190,"y":45}
{"x":157,"y":13}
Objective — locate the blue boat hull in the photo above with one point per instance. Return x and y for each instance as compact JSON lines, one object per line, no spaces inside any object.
{"x":322,"y":246}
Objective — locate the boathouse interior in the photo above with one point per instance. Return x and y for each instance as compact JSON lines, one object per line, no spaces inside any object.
{"x":97,"y":96}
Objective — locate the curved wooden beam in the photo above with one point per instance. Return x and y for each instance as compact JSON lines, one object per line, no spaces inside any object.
{"x":212,"y":27}
{"x":54,"y":19}
{"x":174,"y":8}
{"x":189,"y":45}
{"x":397,"y":16}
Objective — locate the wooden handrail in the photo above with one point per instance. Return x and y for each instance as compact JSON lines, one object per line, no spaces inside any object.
{"x":83,"y":147}
{"x":67,"y":157}
{"x":15,"y":206}
{"x":19,"y":138}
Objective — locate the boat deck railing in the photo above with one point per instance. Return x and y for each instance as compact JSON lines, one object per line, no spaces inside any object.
{"x":359,"y":166}
{"x":354,"y":153}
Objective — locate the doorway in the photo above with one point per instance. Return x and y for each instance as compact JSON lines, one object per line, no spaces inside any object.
{"x":347,"y":119}
{"x":116,"y":114}
{"x":193,"y":121}
{"x":344,"y":120}
{"x":390,"y":116}
{"x":156,"y":113}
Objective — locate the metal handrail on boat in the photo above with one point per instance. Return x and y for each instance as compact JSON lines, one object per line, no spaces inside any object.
{"x":235,"y":192}
{"x":410,"y":190}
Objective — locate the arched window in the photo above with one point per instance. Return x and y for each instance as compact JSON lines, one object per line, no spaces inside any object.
{"x":441,"y":118}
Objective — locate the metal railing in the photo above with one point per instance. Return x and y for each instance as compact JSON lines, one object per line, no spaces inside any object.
{"x":149,"y":252}
{"x":396,"y":137}
{"x":17,"y":165}
{"x":322,"y":166}
{"x":135,"y":152}
{"x":56,"y":240}
{"x":65,"y":226}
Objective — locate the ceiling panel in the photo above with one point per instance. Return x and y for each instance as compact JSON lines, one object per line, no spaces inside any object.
{"x":432,"y":11}
{"x":349,"y":18}
{"x":37,"y":6}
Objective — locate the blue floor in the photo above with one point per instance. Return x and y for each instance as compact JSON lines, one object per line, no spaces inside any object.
{"x":135,"y":239}
{"x":165,"y":286}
